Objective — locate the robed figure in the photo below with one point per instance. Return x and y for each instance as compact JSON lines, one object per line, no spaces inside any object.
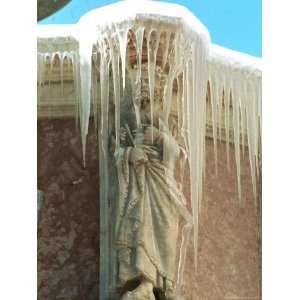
{"x":150,"y":206}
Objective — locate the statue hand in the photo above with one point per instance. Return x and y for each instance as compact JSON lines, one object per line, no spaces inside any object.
{"x":137,"y":156}
{"x":148,"y":134}
{"x":123,"y":135}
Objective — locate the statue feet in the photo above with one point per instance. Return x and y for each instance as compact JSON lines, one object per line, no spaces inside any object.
{"x":143,"y":292}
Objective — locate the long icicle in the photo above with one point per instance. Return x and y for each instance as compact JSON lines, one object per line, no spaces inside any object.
{"x":200,"y":79}
{"x":195,"y":147}
{"x":213,"y":86}
{"x":122,"y":38}
{"x":173,"y":69}
{"x":76,"y":81}
{"x":115,"y":59}
{"x":220,"y":93}
{"x":103,"y":169}
{"x":227,"y":90}
{"x":185,"y":109}
{"x":52,"y":58}
{"x":139,"y":34}
{"x":192,"y":159}
{"x":152,"y":46}
{"x":250,"y":134}
{"x":95,"y":91}
{"x":85,"y":67}
{"x":61,"y":60}
{"x":243,"y":117}
{"x":256,"y":123}
{"x":166,"y":49}
{"x":235,"y":98}
{"x":254,"y":128}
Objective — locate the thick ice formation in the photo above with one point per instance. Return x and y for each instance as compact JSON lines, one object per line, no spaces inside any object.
{"x":235,"y":90}
{"x":231,"y":81}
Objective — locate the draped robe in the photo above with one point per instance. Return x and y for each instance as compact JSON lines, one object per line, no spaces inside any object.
{"x":149,"y":210}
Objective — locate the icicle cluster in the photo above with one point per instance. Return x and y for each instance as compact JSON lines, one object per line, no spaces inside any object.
{"x":63,"y":49}
{"x":234,"y":91}
{"x":49,"y":49}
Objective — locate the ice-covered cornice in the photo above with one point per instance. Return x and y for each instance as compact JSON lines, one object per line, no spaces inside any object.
{"x":136,"y":13}
{"x":131,"y":14}
{"x":51,"y":38}
{"x":234,"y":60}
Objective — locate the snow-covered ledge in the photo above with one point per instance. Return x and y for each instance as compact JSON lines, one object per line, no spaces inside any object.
{"x":59,"y":49}
{"x":58,"y":97}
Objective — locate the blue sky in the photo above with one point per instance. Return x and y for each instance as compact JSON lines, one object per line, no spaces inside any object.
{"x":234,"y":24}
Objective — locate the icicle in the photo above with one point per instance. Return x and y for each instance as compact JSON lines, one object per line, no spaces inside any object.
{"x":226,"y":94}
{"x":255,"y":135}
{"x":250,"y":135}
{"x":185,"y":110}
{"x":173,"y":63}
{"x":235,"y":98}
{"x":51,"y":68}
{"x":219,"y":95}
{"x":166,"y":49}
{"x":122,"y":36}
{"x":95,"y":92}
{"x":76,"y":81}
{"x":65,"y":57}
{"x":193,"y":135}
{"x":115,"y":60}
{"x":139,"y":34}
{"x":139,"y":52}
{"x":61,"y":60}
{"x":152,"y":46}
{"x":68,"y":58}
{"x":199,"y":103}
{"x":85,"y":49}
{"x":197,"y":132}
{"x":103,"y":169}
{"x":189,"y":105}
{"x":256,"y":122}
{"x":213,"y":87}
{"x":245,"y":106}
{"x":259,"y":104}
{"x":193,"y":159}
{"x":243,"y":116}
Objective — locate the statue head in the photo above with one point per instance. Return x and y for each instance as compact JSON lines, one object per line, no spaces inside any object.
{"x":144,"y":97}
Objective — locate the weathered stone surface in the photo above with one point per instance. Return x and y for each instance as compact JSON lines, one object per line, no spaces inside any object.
{"x":229,"y":237}
{"x":68,"y":242}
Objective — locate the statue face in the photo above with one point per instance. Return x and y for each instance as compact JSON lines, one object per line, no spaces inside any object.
{"x":144,"y":100}
{"x":146,"y":109}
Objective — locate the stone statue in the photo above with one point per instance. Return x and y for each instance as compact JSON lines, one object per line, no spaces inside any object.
{"x":150,"y":207}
